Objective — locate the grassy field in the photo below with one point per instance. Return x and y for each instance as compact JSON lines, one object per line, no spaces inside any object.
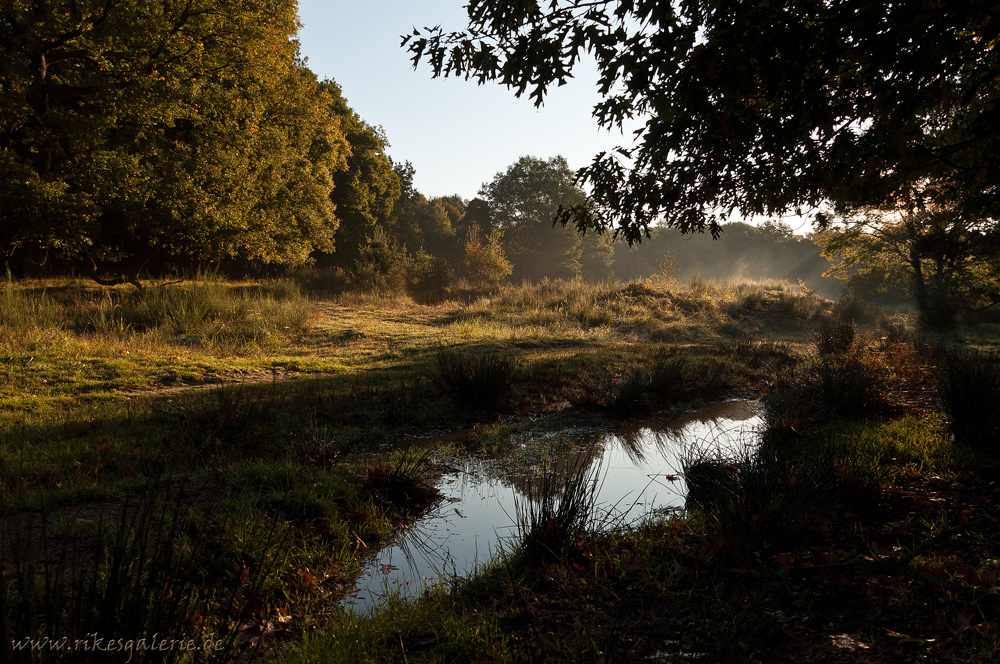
{"x":214,"y":460}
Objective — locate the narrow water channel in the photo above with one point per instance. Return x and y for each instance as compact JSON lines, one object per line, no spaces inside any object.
{"x":638,"y":471}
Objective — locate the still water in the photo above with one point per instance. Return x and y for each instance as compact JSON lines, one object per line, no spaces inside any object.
{"x":638,"y":471}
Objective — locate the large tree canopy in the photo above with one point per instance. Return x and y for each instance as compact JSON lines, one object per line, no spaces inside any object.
{"x":756,"y":107}
{"x":131,"y":128}
{"x":366,"y":192}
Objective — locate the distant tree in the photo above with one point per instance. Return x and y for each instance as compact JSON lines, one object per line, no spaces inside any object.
{"x":131,"y":131}
{"x":597,"y":256}
{"x":771,"y":251}
{"x":756,"y":108}
{"x":484,"y":257}
{"x":523,"y":202}
{"x":943,"y":259}
{"x":454,"y":206}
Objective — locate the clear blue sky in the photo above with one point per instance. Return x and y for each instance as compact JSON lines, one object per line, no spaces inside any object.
{"x":456,"y":133}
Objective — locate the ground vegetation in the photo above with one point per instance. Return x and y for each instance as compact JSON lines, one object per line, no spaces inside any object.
{"x":254,"y":469}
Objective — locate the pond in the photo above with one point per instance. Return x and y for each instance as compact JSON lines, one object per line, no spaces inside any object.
{"x":638,"y":472}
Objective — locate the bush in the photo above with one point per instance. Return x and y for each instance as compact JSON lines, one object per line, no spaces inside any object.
{"x":430,"y":278}
{"x":770,"y":498}
{"x":853,"y":386}
{"x":382,"y":264}
{"x":893,"y":333}
{"x":748,"y":502}
{"x":486,"y":262}
{"x":851,"y":309}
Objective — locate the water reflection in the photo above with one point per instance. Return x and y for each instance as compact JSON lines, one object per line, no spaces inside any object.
{"x":640,"y":468}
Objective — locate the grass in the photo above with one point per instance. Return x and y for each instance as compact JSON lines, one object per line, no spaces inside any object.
{"x":476,"y":380}
{"x":831,"y":536}
{"x":284,"y":466}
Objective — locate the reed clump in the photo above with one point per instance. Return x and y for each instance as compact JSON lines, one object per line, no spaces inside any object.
{"x":970,"y":392}
{"x":478,"y":380}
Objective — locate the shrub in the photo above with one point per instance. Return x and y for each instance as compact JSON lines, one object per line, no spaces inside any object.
{"x":747,"y":501}
{"x":485,"y":261}
{"x":321,"y":281}
{"x":430,"y":278}
{"x":893,"y":333}
{"x":853,"y":386}
{"x":382,"y":264}
{"x":851,"y":309}
{"x":749,"y":298}
{"x":770,"y":498}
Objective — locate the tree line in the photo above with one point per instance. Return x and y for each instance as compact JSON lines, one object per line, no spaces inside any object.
{"x":139,"y":137}
{"x":136,"y":137}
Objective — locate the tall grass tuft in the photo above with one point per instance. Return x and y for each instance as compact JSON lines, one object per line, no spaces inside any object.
{"x":743,"y":499}
{"x":851,"y":309}
{"x":558,"y":507}
{"x":970,"y":393}
{"x":852,"y":386}
{"x":773,"y":497}
{"x":757,"y":353}
{"x":473,"y":379}
{"x":135,"y":579}
{"x":834,"y":337}
{"x":402,"y":482}
{"x":22,"y":310}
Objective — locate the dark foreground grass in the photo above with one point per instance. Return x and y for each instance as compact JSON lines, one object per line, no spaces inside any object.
{"x":269,"y":494}
{"x":847,"y":534}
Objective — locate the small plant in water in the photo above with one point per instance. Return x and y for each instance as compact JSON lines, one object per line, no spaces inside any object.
{"x":559,"y":506}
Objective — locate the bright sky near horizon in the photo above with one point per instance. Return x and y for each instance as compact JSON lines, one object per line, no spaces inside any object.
{"x":457,"y":134}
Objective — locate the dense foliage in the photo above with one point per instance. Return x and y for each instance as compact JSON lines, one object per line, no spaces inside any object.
{"x":523,"y":202}
{"x":138,"y":130}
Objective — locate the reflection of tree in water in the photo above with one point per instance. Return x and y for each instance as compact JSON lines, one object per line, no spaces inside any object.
{"x":559,"y":467}
{"x":665,"y":437}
